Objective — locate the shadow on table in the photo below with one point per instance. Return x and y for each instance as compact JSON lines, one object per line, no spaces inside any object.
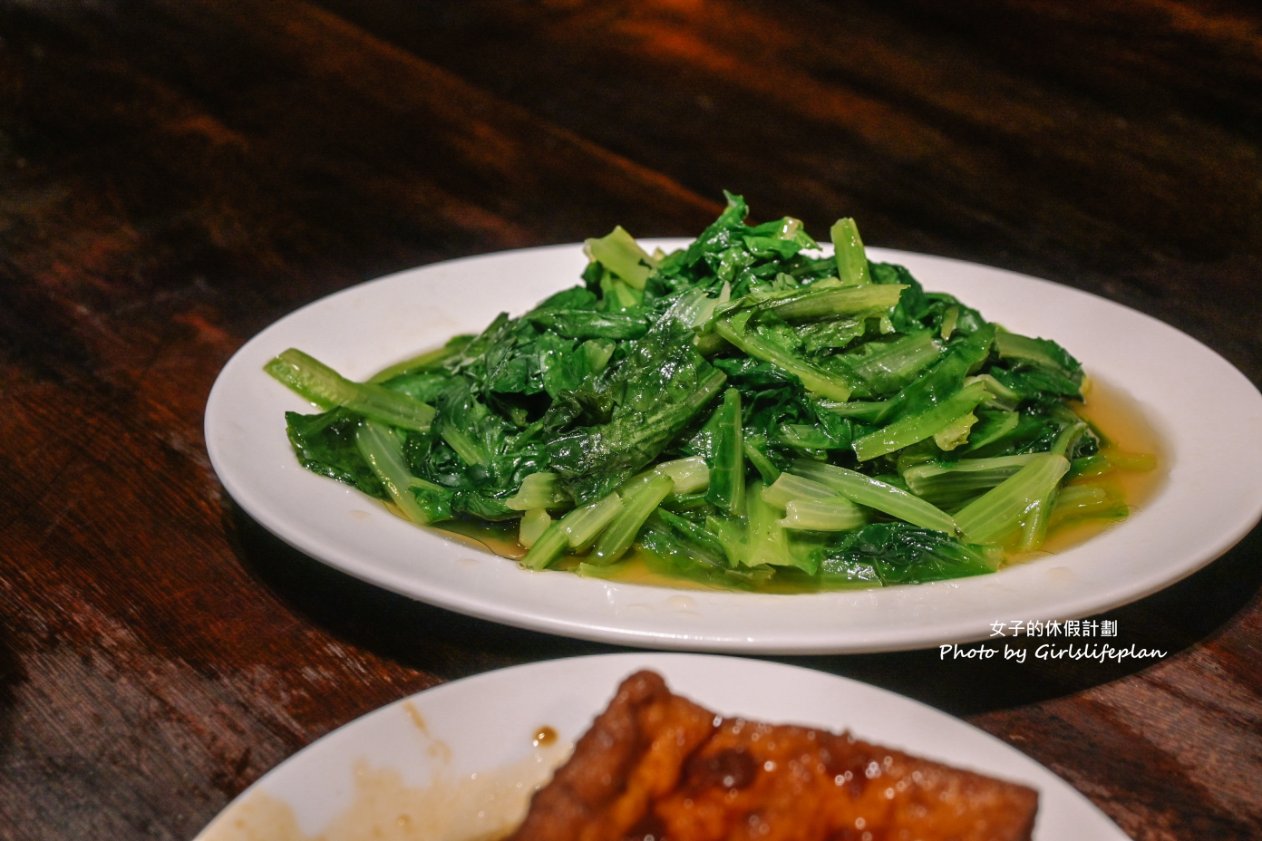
{"x":440,"y":641}
{"x":1168,"y":624}
{"x":393,"y":626}
{"x":12,"y":675}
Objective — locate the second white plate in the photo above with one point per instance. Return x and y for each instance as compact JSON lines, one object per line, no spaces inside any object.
{"x":1205,"y":411}
{"x":459,"y":762}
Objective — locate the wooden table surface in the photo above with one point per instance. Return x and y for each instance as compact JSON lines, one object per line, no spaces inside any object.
{"x":177,"y":174}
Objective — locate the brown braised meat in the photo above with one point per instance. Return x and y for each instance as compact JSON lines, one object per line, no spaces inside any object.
{"x":657,"y":766}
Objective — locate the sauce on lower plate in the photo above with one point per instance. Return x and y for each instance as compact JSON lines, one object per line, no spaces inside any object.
{"x":385,"y":806}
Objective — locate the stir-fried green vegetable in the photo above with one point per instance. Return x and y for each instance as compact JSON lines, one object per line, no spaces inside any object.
{"x":746,"y":411}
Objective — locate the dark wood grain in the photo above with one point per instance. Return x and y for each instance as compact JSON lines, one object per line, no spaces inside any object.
{"x":176,"y":175}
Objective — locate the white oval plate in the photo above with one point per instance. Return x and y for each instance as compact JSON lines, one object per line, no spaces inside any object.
{"x":1205,"y":410}
{"x":458,"y":762}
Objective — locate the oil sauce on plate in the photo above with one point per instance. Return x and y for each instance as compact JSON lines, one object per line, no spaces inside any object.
{"x":1130,"y":442}
{"x":480,"y":806}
